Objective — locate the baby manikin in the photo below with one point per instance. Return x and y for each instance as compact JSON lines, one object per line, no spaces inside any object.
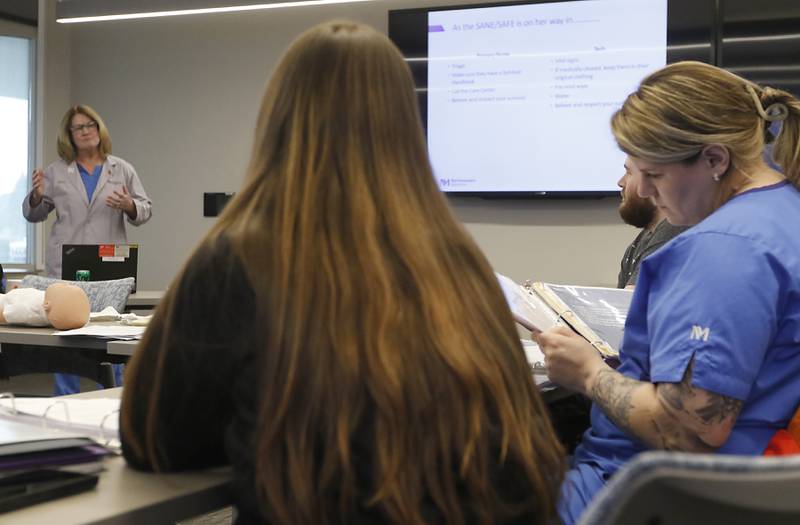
{"x":62,"y":306}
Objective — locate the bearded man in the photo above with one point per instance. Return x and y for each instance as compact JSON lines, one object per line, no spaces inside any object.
{"x":641,"y":213}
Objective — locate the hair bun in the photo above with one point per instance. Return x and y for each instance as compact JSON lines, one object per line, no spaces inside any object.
{"x":771,"y":103}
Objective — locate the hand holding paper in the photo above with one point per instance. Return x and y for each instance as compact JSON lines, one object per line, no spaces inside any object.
{"x":571,"y":361}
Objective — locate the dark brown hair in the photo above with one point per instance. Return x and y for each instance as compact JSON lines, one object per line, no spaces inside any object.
{"x":384,"y":314}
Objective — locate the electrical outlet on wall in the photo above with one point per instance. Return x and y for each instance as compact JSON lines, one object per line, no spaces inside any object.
{"x":214,"y":202}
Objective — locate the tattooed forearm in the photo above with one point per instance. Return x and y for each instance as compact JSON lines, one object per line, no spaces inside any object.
{"x":692,"y":418}
{"x":612,"y":392}
{"x":673,"y":416}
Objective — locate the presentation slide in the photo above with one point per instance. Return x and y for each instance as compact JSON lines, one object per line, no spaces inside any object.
{"x":520,"y":97}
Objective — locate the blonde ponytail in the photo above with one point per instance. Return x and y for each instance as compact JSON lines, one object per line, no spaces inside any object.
{"x":775,"y":105}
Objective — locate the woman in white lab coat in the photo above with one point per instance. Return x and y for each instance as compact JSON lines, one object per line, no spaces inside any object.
{"x":93,"y":193}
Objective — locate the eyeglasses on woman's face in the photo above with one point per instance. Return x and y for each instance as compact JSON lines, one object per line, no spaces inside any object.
{"x":81,"y":127}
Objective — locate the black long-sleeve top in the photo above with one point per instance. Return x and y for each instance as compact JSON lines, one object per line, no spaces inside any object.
{"x":209,"y":395}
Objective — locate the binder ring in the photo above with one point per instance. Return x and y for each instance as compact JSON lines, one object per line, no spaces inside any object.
{"x":104,"y":433}
{"x":13,"y":398}
{"x":56,"y":403}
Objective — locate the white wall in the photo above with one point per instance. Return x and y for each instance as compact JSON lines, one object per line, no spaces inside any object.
{"x":180,"y":96}
{"x":53,"y":79}
{"x":53,"y":97}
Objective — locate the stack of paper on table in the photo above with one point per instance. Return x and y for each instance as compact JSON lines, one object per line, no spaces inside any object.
{"x":98,"y":418}
{"x":106,"y":331}
{"x":38,"y":432}
{"x":26,"y":446}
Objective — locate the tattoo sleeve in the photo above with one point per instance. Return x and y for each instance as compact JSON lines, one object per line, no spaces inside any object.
{"x":672,"y":416}
{"x":700,"y":420}
{"x":613,"y":391}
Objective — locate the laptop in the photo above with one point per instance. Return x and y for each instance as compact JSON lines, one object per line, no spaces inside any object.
{"x":104,"y":262}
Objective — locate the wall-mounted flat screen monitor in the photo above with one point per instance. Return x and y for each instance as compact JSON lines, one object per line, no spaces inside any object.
{"x":517,"y":97}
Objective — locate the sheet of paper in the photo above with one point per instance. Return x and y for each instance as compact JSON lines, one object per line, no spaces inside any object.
{"x":98,"y":418}
{"x":106,"y":331}
{"x":536,"y":359}
{"x":603,"y":309}
{"x":534,"y":355}
{"x":528,"y":310}
{"x":16,"y":432}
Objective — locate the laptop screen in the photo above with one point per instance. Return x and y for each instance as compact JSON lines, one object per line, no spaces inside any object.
{"x":99,"y":262}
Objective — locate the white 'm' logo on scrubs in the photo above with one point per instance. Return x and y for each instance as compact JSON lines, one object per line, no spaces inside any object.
{"x":698,"y":333}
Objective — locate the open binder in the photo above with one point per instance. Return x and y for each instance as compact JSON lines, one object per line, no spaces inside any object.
{"x":598,"y":314}
{"x":31,"y":424}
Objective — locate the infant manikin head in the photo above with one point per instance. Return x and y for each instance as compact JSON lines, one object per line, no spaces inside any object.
{"x":66,"y":306}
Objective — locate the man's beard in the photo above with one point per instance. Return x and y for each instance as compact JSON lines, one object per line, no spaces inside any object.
{"x":637,"y":211}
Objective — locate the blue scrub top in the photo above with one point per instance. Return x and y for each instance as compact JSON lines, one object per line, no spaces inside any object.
{"x":90,"y":179}
{"x":725,"y":293}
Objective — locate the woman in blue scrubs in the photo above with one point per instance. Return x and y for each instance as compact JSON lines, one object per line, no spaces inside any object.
{"x":710,"y":361}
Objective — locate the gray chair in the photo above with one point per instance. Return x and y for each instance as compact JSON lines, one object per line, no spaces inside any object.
{"x":101,"y":294}
{"x":671,"y":488}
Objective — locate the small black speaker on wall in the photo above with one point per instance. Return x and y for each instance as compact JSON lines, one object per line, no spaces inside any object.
{"x":214,"y":202}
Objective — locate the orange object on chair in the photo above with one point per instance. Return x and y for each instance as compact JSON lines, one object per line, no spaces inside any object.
{"x":786,"y":441}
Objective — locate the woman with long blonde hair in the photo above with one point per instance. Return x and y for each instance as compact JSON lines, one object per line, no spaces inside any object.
{"x":710,"y":361}
{"x":337,"y":336}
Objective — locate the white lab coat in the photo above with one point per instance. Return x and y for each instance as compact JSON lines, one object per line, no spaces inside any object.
{"x":79,"y":221}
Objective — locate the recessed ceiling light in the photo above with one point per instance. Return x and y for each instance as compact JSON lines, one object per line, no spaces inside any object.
{"x":200,"y":11}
